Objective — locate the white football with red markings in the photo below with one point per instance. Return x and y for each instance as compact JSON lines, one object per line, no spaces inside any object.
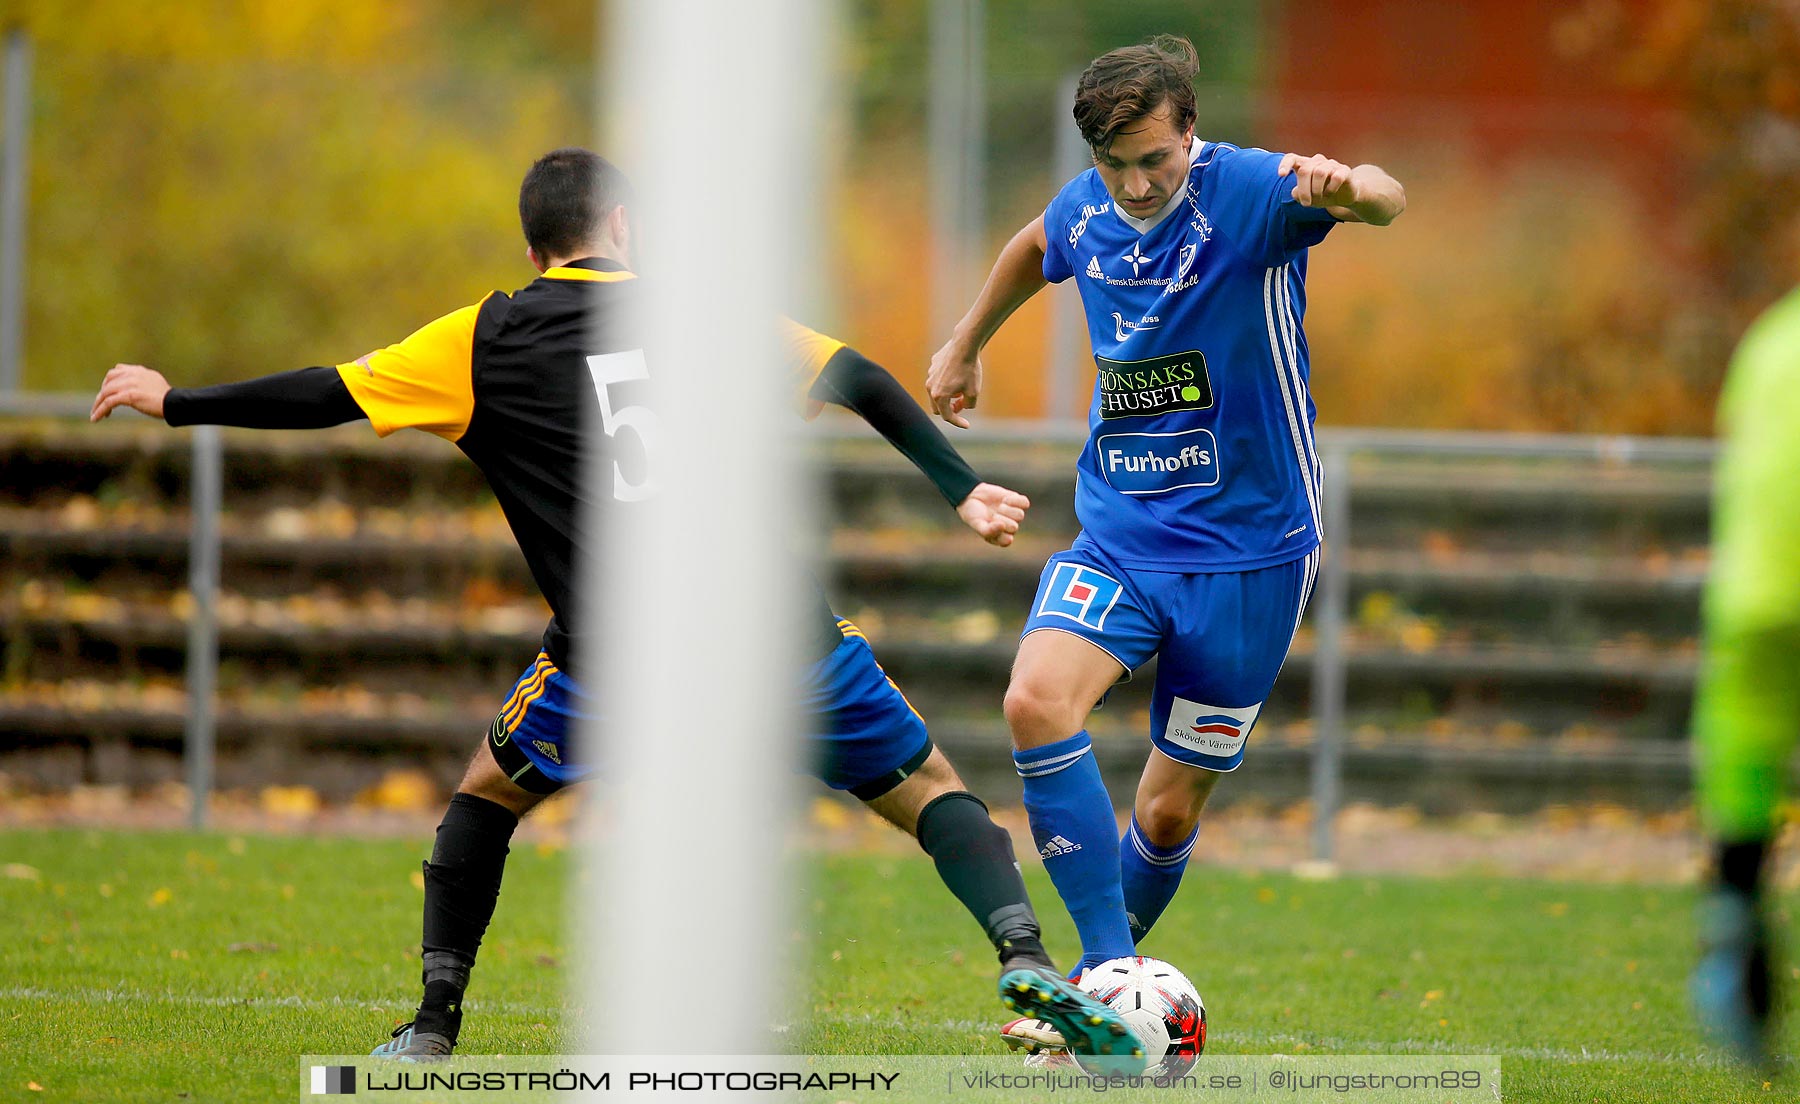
{"x":1161,"y":1006}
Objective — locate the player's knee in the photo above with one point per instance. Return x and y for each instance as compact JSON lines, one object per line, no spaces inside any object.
{"x":1038,"y":715}
{"x":502,"y":793}
{"x":1168,"y":818}
{"x":485,"y":780}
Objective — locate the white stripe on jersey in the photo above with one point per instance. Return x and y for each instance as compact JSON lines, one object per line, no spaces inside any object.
{"x":1290,"y":331}
{"x":1295,"y":416}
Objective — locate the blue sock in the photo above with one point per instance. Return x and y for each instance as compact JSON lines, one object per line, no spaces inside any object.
{"x":1149,"y":875}
{"x":1073,"y":824}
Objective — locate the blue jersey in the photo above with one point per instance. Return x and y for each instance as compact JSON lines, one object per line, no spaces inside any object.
{"x":1200,"y":449}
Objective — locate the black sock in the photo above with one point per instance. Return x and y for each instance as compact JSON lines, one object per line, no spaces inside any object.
{"x":974,"y":857}
{"x":462,"y":885}
{"x":1739,"y":866}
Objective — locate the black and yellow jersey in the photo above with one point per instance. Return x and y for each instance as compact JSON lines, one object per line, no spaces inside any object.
{"x":515,"y":379}
{"x":525,"y":383}
{"x":509,"y":380}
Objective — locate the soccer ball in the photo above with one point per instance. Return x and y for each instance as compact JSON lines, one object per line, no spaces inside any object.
{"x":1160,"y":1004}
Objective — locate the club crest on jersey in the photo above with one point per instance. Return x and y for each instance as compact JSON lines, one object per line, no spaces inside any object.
{"x":1214,"y":730}
{"x":1081,"y":594}
{"x":1188,"y":253}
{"x":1159,"y":385}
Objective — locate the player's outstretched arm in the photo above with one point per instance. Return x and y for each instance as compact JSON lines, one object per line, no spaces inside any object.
{"x":308,"y":398}
{"x":857,"y":383}
{"x":1361,"y":194}
{"x":954,"y":383}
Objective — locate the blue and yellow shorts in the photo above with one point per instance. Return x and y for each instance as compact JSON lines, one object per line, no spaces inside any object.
{"x":862,"y":734}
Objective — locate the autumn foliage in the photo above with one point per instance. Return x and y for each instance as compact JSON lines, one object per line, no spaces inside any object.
{"x":224,"y":190}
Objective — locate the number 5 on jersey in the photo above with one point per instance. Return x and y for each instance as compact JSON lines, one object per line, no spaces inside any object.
{"x":614,"y":368}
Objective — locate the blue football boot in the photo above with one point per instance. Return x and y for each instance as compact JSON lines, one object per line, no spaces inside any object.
{"x":1096,"y":1036}
{"x":408,"y":1045}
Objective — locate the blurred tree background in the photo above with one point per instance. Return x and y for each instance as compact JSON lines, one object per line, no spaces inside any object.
{"x":1597,"y":190}
{"x":222,"y":189}
{"x":1734,"y":68}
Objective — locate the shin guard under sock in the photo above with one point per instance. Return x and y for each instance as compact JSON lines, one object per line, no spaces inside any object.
{"x":974,"y":857}
{"x":462,"y":886}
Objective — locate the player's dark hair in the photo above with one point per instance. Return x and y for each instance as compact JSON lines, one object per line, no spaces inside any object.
{"x":565,"y":196}
{"x":1126,"y":84}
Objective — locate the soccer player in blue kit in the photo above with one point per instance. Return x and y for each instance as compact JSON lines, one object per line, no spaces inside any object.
{"x":1198,"y":488}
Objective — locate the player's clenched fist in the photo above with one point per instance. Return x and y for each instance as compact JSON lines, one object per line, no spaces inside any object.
{"x":1319,"y":181}
{"x":131,"y":385}
{"x":954,"y":383}
{"x":994,"y":512}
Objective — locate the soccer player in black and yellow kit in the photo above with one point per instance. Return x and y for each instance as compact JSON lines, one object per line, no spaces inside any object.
{"x":513,"y":382}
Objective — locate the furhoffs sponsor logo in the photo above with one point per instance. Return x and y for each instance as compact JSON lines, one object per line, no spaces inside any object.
{"x":1152,"y":463}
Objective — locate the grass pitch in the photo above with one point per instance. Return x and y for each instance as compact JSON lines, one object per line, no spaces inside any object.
{"x":180,"y":967}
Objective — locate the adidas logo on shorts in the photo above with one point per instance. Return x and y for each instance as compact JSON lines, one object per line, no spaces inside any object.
{"x":1058,"y":845}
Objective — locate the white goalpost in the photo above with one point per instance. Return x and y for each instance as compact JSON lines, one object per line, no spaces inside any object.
{"x":712,"y":108}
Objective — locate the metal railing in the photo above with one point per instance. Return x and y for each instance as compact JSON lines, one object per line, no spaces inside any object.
{"x":205,"y":499}
{"x":1331,"y":617}
{"x":1331,"y":604}
{"x":1330,"y":611}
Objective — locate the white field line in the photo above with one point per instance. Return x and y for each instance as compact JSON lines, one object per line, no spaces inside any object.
{"x":1282,"y":1041}
{"x":1255,"y":1039}
{"x":198,"y":1000}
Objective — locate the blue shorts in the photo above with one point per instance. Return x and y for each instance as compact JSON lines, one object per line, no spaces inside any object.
{"x":863,"y":735}
{"x":529,"y":738}
{"x":1221,"y":638}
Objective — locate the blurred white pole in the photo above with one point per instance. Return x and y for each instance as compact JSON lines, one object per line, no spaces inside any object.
{"x":715,"y":105}
{"x":957,"y":137}
{"x":12,"y":208}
